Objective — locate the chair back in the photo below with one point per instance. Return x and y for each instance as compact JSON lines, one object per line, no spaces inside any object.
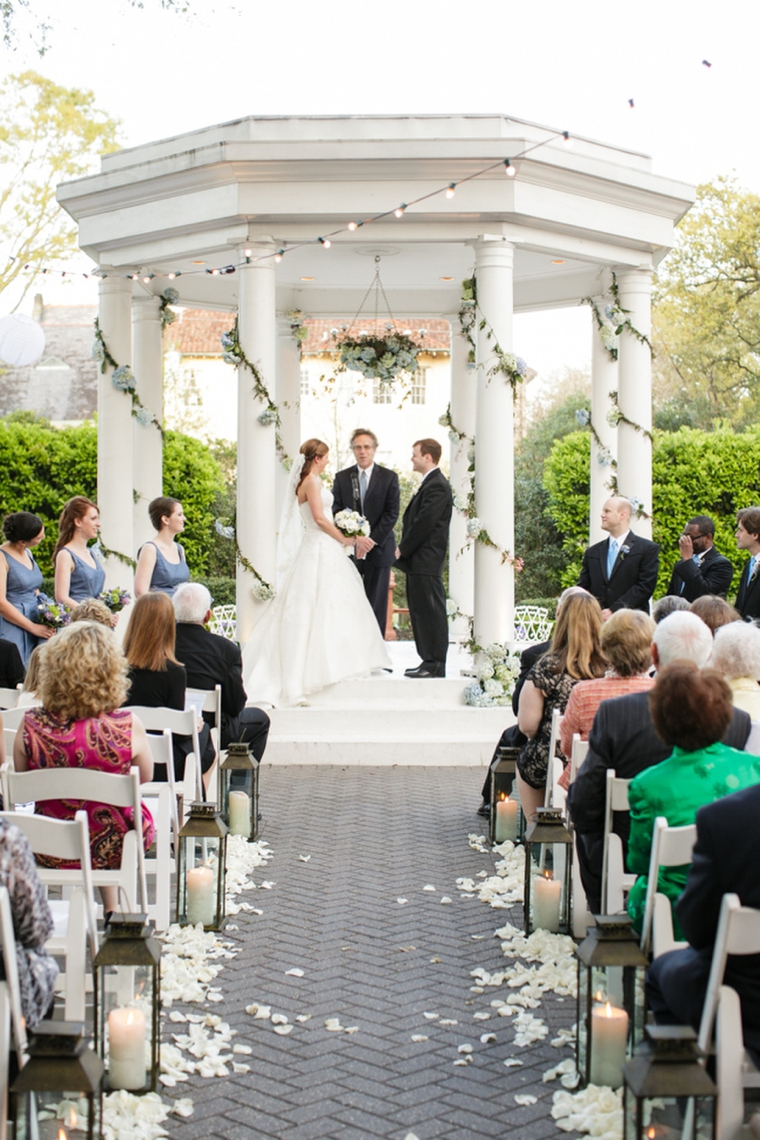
{"x":578,"y":755}
{"x":180,"y":722}
{"x":738,"y":933}
{"x":671,"y":847}
{"x":13,"y":988}
{"x":13,"y":717}
{"x":122,"y":791}
{"x":553,"y":738}
{"x":615,"y":799}
{"x":9,"y":698}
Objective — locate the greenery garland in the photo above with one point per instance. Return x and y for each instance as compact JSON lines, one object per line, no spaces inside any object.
{"x":124,"y":379}
{"x":235,"y":354}
{"x":614,"y":321}
{"x":605,"y":457}
{"x":169,"y":297}
{"x":512,"y":368}
{"x":106,"y":552}
{"x":297,"y":326}
{"x":262,"y":590}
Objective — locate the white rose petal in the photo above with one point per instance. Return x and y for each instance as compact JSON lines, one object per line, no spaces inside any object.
{"x":304,"y":858}
{"x":352,"y":1029}
{"x":244,"y":1049}
{"x":487,"y":1038}
{"x":303,"y":1017}
{"x":481,"y":1015}
{"x":237,"y":1068}
{"x":267,"y":886}
{"x":449,"y":1021}
{"x":259,"y":1011}
{"x":183,"y":1107}
{"x":296,"y":972}
{"x":428,"y":887}
{"x":461,"y":1061}
{"x":279,"y":1019}
{"x":401,"y":901}
{"x":430,"y":1016}
{"x":333,"y":1025}
{"x":419,"y":1037}
{"x":445,"y":901}
{"x":466,"y":1048}
{"x":283,"y":1030}
{"x":525,"y":1098}
{"x":175,"y":1015}
{"x":512,"y":1062}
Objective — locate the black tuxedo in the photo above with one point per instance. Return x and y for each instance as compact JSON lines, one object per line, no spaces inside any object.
{"x":381,"y":504}
{"x":713,"y":575}
{"x":748,"y":597}
{"x":633,"y":578}
{"x":725,"y":861}
{"x":11,"y":665}
{"x":423,"y":546}
{"x":622,"y":739}
{"x":211,"y":660}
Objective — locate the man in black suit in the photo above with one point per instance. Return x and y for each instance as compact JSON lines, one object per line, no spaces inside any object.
{"x":621,"y":571}
{"x":213,"y":660}
{"x":373,"y":491}
{"x":724,"y":861}
{"x":421,"y":554}
{"x":748,"y":538}
{"x":623,"y":739}
{"x":11,"y":665}
{"x":701,"y":569}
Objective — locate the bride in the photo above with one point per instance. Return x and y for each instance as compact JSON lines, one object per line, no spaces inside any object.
{"x":319,"y":628}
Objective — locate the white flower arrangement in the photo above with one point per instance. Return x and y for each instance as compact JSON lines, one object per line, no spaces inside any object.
{"x":377,"y":357}
{"x":460,"y":502}
{"x":496,"y":673}
{"x":124,"y":378}
{"x":352,"y":523}
{"x":474,"y":527}
{"x":262,"y":591}
{"x":268,"y":416}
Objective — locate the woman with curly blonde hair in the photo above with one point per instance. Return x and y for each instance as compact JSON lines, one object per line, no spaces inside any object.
{"x":83,"y":680}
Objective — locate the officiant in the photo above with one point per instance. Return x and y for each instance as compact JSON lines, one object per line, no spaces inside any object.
{"x":373,"y":491}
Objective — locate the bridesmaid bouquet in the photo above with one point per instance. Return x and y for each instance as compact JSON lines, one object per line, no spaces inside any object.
{"x":56,"y":615}
{"x":115,"y":599}
{"x":352,"y":523}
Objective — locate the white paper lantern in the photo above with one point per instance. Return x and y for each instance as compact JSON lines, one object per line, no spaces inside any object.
{"x":21,"y":340}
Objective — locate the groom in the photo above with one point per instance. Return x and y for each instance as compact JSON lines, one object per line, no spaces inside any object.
{"x":421,"y":555}
{"x":373,"y":491}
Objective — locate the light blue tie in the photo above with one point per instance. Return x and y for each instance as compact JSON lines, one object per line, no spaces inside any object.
{"x":362,"y":488}
{"x":611,"y":556}
{"x":751,"y":567}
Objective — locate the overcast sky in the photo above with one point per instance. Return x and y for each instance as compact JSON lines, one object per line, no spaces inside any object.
{"x":566,"y":64}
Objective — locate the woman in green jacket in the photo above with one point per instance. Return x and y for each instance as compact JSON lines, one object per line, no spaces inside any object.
{"x":691,"y":710}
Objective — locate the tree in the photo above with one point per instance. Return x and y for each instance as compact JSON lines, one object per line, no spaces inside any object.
{"x":48,"y":134}
{"x":12,"y":13}
{"x":706,"y":314}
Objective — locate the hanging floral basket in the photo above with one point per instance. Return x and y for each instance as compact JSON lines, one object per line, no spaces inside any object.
{"x":378,"y":357}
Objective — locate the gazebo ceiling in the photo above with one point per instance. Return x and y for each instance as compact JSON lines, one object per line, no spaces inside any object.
{"x":193,"y":203}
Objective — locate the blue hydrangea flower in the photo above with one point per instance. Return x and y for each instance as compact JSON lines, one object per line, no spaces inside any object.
{"x":143,"y":416}
{"x":98,"y":351}
{"x":583,"y":416}
{"x":123,"y":378}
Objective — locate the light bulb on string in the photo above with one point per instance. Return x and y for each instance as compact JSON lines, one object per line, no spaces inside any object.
{"x":399,"y":211}
{"x":451,"y":190}
{"x":509,"y":169}
{"x":566,"y":138}
{"x":171,"y":276}
{"x":352,"y":226}
{"x":278,"y":256}
{"x":325,"y":242}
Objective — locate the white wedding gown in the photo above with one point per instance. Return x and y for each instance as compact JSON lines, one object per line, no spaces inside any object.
{"x":318,"y":629}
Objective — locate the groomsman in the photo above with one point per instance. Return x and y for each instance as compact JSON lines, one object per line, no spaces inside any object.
{"x":421,"y":554}
{"x":621,"y":571}
{"x":373,"y":491}
{"x":701,"y":569}
{"x":748,"y":538}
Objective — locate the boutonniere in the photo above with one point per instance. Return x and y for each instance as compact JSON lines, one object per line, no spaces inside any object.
{"x":624,"y":550}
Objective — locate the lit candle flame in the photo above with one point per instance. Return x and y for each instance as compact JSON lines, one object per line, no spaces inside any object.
{"x":73,"y":1118}
{"x":503,"y":796}
{"x":62,"y":1134}
{"x":651,"y":1133}
{"x":607,"y":1010}
{"x":599,"y":996}
{"x":548,"y":874}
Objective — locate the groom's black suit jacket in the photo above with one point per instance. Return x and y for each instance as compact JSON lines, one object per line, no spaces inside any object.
{"x":381,"y":505}
{"x":425,"y":534}
{"x":633,"y":578}
{"x":748,"y":597}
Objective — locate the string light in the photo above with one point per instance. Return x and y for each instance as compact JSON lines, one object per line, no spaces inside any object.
{"x":566,"y":136}
{"x":325,"y":242}
{"x":354,"y":226}
{"x":399,"y":211}
{"x":509,"y":169}
{"x":278,"y":256}
{"x":451,"y":190}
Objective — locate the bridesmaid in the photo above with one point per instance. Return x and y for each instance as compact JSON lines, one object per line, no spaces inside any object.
{"x":20,"y":581}
{"x":161,"y":563}
{"x":78,"y":574}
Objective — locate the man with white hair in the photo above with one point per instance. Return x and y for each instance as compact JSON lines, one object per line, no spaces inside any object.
{"x":620,"y":571}
{"x":213,"y":660}
{"x":623,"y":739}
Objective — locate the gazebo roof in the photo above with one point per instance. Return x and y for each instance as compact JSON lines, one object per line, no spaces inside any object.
{"x":193,"y":202}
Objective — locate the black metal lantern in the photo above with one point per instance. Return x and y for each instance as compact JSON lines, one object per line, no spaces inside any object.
{"x":548,"y":873}
{"x":506,"y":821}
{"x":239,"y":791}
{"x":610,"y":1019}
{"x":59,"y":1089}
{"x":665,"y":1071}
{"x":127,"y":978}
{"x":201,"y":868}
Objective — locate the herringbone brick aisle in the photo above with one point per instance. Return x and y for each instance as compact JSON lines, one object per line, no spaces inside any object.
{"x":373,"y":835}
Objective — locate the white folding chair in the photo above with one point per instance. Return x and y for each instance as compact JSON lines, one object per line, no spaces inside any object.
{"x":12,"y":717}
{"x":11,"y":984}
{"x":212,"y":703}
{"x":582,"y":917}
{"x":671,"y":847}
{"x":73,"y":918}
{"x":616,"y":881}
{"x":27,"y":701}
{"x":9,"y":698}
{"x":180,"y":722}
{"x":555,"y":765}
{"x":578,"y":755}
{"x":160,"y":797}
{"x":121,"y":791}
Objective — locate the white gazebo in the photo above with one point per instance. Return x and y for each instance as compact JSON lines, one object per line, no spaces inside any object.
{"x":239,"y":213}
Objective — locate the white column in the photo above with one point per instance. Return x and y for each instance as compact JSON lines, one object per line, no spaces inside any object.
{"x":115,"y":456}
{"x":604,"y":379}
{"x":463,"y":405}
{"x":289,"y":402}
{"x":635,"y":395}
{"x":494,"y":444}
{"x":147,"y":356}
{"x":256,"y":519}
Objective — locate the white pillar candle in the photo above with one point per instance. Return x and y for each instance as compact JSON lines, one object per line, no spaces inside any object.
{"x":609,"y":1041}
{"x":200,"y":896}
{"x":126,"y":1049}
{"x":506,"y":820}
{"x":547,"y":894}
{"x":240,"y":814}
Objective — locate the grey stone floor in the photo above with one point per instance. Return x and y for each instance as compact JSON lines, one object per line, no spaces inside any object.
{"x":374,"y":835}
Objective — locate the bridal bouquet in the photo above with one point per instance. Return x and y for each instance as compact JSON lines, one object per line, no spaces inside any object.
{"x":352,"y":523}
{"x":56,"y":615}
{"x":115,"y":599}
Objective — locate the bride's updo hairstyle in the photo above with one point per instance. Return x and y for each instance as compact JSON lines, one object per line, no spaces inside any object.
{"x":311,"y":450}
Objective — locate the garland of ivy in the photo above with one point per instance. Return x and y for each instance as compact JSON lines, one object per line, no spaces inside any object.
{"x":106,"y":552}
{"x":124,"y":379}
{"x":235,"y":354}
{"x":512,"y":368}
{"x":614,"y":321}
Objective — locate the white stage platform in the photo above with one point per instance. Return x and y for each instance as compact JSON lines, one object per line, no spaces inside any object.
{"x":389,"y":719}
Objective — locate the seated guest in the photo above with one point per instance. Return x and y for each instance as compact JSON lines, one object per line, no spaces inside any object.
{"x":156,"y":677}
{"x":725,"y":861}
{"x":213,"y":660}
{"x":668,"y":605}
{"x":623,"y":739}
{"x":83,"y":681}
{"x":31,"y":684}
{"x":32,"y":924}
{"x":691,"y":710}
{"x":11,"y":665}
{"x":575,"y":656}
{"x":737,"y":656}
{"x":92,"y":610}
{"x":626,"y":640}
{"x":714,"y":612}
